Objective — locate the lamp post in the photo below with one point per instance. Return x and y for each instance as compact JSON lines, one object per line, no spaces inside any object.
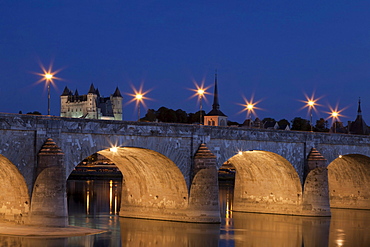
{"x":48,"y":78}
{"x":138,"y":98}
{"x":200,"y":93}
{"x":335,"y":115}
{"x":311,"y":105}
{"x":249,"y":108}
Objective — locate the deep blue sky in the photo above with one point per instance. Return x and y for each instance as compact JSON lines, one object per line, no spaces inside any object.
{"x":275,"y":50}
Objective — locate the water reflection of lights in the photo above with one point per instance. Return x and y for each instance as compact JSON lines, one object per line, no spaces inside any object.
{"x":88,"y":198}
{"x":112,"y":198}
{"x":229,"y":208}
{"x":340,"y":237}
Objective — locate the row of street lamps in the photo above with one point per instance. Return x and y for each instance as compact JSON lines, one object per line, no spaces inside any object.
{"x":48,"y":76}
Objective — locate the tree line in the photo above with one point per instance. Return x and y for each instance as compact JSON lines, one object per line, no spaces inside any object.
{"x":167,"y":115}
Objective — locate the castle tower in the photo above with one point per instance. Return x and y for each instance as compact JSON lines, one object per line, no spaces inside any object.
{"x":64,"y":102}
{"x":92,"y":110}
{"x":116,"y":99}
{"x":215,"y":117}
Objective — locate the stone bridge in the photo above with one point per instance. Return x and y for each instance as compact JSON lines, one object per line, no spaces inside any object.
{"x":170,"y":170}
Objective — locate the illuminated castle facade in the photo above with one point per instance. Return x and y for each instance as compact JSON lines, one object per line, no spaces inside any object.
{"x":91,"y":105}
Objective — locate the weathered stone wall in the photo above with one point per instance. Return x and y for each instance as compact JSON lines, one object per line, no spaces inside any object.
{"x":349,"y":182}
{"x":14,"y":198}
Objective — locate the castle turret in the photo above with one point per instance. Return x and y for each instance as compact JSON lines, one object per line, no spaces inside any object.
{"x":92,"y":111}
{"x":116,"y":99}
{"x":63,"y":102}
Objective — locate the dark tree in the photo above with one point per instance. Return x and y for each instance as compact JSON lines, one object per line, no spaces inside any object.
{"x":283,"y":122}
{"x":34,"y":113}
{"x":299,"y":123}
{"x":162,"y":113}
{"x":150,"y":116}
{"x":182,"y":116}
{"x":321,"y":125}
{"x":268,"y":119}
{"x":171,"y":116}
{"x":195,"y":118}
{"x":232,"y":123}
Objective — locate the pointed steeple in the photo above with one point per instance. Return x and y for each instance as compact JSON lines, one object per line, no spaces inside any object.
{"x":92,"y":89}
{"x":117,"y":93}
{"x":66,"y":92}
{"x":76,"y":93}
{"x":359,"y":112}
{"x":359,"y":126}
{"x":97,"y":92}
{"x":216,"y":105}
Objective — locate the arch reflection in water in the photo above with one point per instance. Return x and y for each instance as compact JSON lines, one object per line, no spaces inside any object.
{"x":251,"y":229}
{"x":140,"y":232}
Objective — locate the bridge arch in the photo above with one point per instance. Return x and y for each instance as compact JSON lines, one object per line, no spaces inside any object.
{"x":14,"y":197}
{"x":349,"y":181}
{"x":151,"y":183}
{"x":265,"y":182}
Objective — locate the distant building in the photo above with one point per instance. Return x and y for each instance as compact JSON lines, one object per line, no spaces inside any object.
{"x":358,"y":127}
{"x":91,"y":105}
{"x":215,"y":117}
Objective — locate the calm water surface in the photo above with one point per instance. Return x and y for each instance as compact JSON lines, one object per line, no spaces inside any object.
{"x":95,"y":204}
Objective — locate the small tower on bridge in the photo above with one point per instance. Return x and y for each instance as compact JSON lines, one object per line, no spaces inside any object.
{"x":215,"y":117}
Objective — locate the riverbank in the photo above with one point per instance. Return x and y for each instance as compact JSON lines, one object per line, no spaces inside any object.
{"x":41,"y":231}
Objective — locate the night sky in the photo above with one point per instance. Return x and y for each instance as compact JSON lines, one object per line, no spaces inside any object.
{"x":274,"y":51}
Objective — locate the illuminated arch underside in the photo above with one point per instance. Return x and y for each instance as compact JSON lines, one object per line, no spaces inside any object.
{"x":349,"y":182}
{"x":14,"y":198}
{"x":151,"y":180}
{"x":265,"y":182}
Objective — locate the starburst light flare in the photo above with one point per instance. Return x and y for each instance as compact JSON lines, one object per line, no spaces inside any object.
{"x":200,"y":91}
{"x":48,"y":76}
{"x":139,"y":96}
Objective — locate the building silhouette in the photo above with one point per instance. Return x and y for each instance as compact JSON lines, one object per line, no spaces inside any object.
{"x":91,"y":105}
{"x":215,"y":117}
{"x":358,"y":127}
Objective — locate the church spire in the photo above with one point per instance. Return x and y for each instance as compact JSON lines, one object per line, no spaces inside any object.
{"x":216,"y":105}
{"x":359,"y":112}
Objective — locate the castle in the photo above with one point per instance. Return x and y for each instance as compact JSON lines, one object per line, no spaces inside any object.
{"x":91,"y":105}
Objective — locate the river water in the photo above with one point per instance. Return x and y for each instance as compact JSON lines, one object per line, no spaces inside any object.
{"x":95,"y":204}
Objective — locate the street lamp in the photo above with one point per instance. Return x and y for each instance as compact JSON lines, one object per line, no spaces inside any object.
{"x":48,"y":78}
{"x":250,"y":107}
{"x":335,"y":117}
{"x":311,"y":105}
{"x":139,"y":99}
{"x":200,"y":93}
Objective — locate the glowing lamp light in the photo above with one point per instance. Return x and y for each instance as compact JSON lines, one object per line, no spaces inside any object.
{"x":340,"y":156}
{"x":240,"y":152}
{"x":335,"y":114}
{"x":200,"y":92}
{"x":250,"y":107}
{"x":113,"y":149}
{"x":48,"y":76}
{"x":138,"y":96}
